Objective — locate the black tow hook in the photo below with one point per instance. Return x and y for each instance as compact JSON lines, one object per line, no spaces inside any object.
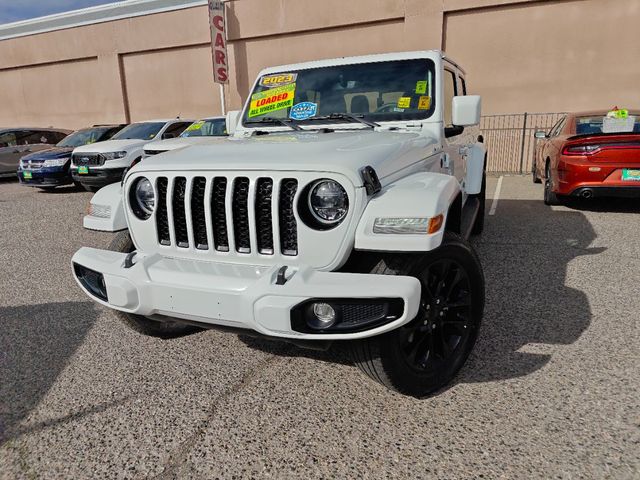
{"x":128,"y":261}
{"x":281,"y":280}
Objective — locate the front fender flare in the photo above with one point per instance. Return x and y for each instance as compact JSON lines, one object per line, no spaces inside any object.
{"x":108,"y":197}
{"x":421,"y":195}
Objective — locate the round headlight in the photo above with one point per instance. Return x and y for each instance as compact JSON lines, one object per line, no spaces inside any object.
{"x":328,"y":202}
{"x":143,"y":199}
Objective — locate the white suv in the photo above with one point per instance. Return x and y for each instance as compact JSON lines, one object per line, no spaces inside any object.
{"x":338,"y":211}
{"x":100,"y":164}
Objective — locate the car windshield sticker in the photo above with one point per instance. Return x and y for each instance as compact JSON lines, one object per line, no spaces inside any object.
{"x":424,"y":103}
{"x":618,"y":113}
{"x":272,"y":100}
{"x":303,"y":110}
{"x":278,"y":80}
{"x":421,"y":87}
{"x":618,"y":125}
{"x":404,"y":102}
{"x":195,"y":126}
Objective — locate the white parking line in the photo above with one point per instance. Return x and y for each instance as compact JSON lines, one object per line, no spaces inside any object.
{"x":496,"y":197}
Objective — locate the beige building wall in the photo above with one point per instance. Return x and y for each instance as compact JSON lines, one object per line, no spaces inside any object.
{"x":521,"y":55}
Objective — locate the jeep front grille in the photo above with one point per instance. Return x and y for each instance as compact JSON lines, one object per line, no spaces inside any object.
{"x":227,"y":214}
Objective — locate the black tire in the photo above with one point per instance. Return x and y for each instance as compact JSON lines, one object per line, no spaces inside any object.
{"x":478,"y":224}
{"x":387,"y":358}
{"x":78,"y":185}
{"x":166,"y":329}
{"x":90,"y":188}
{"x":550,"y":197}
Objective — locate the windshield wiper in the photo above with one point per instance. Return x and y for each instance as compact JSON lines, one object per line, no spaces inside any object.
{"x":281,"y":121}
{"x":348,"y":116}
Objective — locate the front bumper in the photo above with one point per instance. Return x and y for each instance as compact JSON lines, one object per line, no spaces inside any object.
{"x":98,"y":177}
{"x":234,"y":295}
{"x":45,"y":178}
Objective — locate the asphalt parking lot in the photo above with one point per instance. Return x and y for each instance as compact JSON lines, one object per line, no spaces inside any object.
{"x":551,"y":390}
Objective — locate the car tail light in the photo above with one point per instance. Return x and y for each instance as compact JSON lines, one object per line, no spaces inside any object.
{"x":581,"y":149}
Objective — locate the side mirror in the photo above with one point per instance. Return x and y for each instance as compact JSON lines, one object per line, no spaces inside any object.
{"x":232,"y":121}
{"x":540,"y":134}
{"x":466,"y":110}
{"x":166,"y":136}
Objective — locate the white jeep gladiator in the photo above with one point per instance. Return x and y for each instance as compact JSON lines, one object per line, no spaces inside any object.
{"x":337,"y":211}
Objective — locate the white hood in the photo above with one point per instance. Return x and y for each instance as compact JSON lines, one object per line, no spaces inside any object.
{"x":111,"y":146}
{"x":344,"y":152}
{"x":180,"y":142}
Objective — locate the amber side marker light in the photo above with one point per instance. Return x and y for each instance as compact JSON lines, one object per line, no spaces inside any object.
{"x":435,"y":223}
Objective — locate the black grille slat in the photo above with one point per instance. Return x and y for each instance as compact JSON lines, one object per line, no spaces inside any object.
{"x":264,"y":217}
{"x":197,"y":213}
{"x":219,"y":214}
{"x":162,"y":221}
{"x":179,"y":215}
{"x":90,"y":159}
{"x":241,"y":214}
{"x":288,"y":225}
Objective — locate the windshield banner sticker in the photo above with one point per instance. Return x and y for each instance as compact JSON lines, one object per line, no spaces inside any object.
{"x":404,"y":102}
{"x":421,"y":87}
{"x":303,"y":110}
{"x":272,"y":100}
{"x":194,"y":126}
{"x":424,"y":103}
{"x":278,"y":80}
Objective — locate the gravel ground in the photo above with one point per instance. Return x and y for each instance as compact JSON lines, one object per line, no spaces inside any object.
{"x":551,"y":390}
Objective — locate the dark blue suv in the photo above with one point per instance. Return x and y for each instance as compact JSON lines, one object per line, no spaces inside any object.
{"x":50,"y":168}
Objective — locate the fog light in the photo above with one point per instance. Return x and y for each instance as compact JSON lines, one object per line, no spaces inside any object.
{"x":325,"y":316}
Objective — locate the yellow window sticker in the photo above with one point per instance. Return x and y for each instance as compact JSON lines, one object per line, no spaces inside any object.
{"x":195,"y":126}
{"x":421,"y":87}
{"x":278,"y":80}
{"x":404,"y":102}
{"x":424,"y":102}
{"x":272,"y":100}
{"x":618,"y":113}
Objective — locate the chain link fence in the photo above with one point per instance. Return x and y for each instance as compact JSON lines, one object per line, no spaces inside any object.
{"x":510,"y":140}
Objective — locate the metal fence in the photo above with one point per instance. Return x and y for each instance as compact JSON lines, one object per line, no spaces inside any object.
{"x":510,"y":140}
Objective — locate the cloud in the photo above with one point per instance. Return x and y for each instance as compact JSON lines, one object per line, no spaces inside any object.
{"x":15,"y":10}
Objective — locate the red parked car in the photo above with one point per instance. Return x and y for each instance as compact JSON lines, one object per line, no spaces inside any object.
{"x":577,"y":159}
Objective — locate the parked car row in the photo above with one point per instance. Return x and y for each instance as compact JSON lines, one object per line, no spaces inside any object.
{"x":590,"y":154}
{"x":96,"y":156}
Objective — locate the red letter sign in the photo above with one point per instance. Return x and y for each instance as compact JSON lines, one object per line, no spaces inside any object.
{"x":218,"y":42}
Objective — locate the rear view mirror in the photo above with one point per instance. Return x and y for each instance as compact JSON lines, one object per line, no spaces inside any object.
{"x":466,"y":110}
{"x":232,"y":121}
{"x":540,"y":134}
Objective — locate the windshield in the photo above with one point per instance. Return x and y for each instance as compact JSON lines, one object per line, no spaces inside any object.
{"x":83,"y":137}
{"x":206,"y":128}
{"x":594,"y":124}
{"x":139,"y":131}
{"x":380,"y":91}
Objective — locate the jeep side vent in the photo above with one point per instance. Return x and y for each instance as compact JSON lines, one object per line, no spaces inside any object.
{"x":241,"y":214}
{"x":179,"y":215}
{"x":219,"y":214}
{"x":288,"y":226}
{"x":197,"y":213}
{"x":264,"y":218}
{"x":162,"y":222}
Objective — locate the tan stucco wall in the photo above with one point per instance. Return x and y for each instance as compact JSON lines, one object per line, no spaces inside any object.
{"x":521,"y":55}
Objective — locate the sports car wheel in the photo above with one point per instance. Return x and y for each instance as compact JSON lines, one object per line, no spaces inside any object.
{"x":424,"y":355}
{"x":550,"y":197}
{"x":166,"y":329}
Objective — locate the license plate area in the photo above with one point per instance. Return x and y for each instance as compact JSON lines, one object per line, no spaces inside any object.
{"x":83,"y":170}
{"x":27,"y":175}
{"x":630,"y":175}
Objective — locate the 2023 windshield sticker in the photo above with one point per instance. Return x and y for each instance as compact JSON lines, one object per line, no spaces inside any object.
{"x":272,"y":100}
{"x":278,"y":80}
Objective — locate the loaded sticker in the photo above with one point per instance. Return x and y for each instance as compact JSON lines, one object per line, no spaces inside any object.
{"x":424,"y":102}
{"x":303,"y":110}
{"x":404,"y":102}
{"x":278,"y":80}
{"x":421,"y":87}
{"x":272,"y":100}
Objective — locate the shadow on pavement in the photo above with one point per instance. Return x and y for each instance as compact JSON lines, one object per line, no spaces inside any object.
{"x":35,"y":346}
{"x":525,"y":252}
{"x":613,"y":205}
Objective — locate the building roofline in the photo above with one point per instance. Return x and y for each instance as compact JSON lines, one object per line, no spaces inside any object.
{"x":92,"y":15}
